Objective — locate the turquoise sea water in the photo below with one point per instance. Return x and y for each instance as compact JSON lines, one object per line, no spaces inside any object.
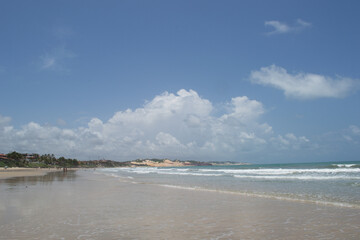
{"x":329,"y":183}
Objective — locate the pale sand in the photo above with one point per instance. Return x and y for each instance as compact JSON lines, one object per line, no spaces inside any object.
{"x":84,"y":205}
{"x":165,"y":163}
{"x":24,"y":172}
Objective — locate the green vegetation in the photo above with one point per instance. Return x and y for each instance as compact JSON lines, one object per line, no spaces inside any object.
{"x":151,"y":159}
{"x":15,"y":159}
{"x":103,"y":163}
{"x":197,"y":163}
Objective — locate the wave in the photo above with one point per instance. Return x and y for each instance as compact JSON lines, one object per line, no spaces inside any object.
{"x":346,"y":165}
{"x":280,"y":180}
{"x":268,"y":171}
{"x":281,"y":171}
{"x":343,"y":173}
{"x":303,"y":177}
{"x":168,"y":171}
{"x":192,"y":174}
{"x":109,"y":169}
{"x":264,"y":195}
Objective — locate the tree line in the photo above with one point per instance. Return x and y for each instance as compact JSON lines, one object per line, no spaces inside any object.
{"x":16,"y":159}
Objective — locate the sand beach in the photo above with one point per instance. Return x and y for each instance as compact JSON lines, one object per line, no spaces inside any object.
{"x":86,"y":205}
{"x":24,"y":172}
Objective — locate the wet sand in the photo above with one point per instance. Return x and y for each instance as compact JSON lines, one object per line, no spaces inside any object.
{"x":84,"y":205}
{"x":24,"y":172}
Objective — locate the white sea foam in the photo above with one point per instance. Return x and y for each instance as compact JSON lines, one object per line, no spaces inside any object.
{"x":275,"y":174}
{"x":343,"y":168}
{"x":182,"y":169}
{"x":344,"y":165}
{"x":301,"y":177}
{"x":164,"y":171}
{"x":192,"y":174}
{"x":281,"y":171}
{"x":109,"y":169}
{"x":339,"y":183}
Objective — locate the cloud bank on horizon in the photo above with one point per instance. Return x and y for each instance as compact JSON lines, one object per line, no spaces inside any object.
{"x":186,"y":126}
{"x":181,"y":125}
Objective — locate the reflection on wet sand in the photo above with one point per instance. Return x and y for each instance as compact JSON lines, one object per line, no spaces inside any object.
{"x":46,"y":179}
{"x":83,"y":205}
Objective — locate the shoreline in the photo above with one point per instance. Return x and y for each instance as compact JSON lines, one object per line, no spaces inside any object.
{"x":83,"y":204}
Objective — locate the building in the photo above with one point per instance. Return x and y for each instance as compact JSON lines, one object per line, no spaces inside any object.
{"x":3,"y":157}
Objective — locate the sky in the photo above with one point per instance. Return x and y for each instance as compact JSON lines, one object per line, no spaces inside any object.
{"x":248,"y":81}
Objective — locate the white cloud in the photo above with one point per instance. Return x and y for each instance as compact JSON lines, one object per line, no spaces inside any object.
{"x":290,"y":141}
{"x":56,"y":59}
{"x":61,"y":122}
{"x":181,"y":126}
{"x":302,"y":23}
{"x":48,"y":62}
{"x":281,"y":27}
{"x":355,"y":130}
{"x":62,"y":32}
{"x":352,"y":134}
{"x":303,"y":85}
{"x":4,"y":120}
{"x":245,"y":109}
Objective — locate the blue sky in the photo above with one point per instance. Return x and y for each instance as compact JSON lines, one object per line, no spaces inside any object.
{"x":255,"y":81}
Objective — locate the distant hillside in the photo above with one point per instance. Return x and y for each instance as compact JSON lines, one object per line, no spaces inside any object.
{"x":141,"y":163}
{"x":166,"y":163}
{"x":15,"y":159}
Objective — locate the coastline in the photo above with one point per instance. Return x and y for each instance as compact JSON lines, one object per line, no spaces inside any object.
{"x":87,"y":205}
{"x":25,"y":172}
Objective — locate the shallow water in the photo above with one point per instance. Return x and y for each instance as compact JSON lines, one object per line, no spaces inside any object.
{"x":335,"y":184}
{"x":84,"y":205}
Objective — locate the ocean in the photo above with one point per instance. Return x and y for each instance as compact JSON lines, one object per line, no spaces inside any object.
{"x":324,"y":183}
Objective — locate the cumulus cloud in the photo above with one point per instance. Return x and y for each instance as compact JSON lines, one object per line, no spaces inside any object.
{"x":281,"y":27}
{"x":4,"y":120}
{"x":182,"y":125}
{"x":303,"y":85}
